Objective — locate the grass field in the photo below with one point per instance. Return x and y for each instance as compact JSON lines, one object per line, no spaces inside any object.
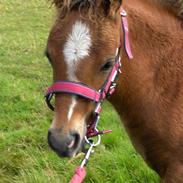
{"x":24,"y":119}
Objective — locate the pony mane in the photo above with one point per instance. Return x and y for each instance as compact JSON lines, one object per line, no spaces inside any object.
{"x":90,"y":7}
{"x":175,"y":5}
{"x":73,"y":3}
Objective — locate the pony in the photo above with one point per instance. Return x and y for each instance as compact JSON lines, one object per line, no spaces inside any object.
{"x":81,"y":48}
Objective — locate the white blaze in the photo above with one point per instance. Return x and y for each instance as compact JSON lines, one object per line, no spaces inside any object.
{"x":71,"y":108}
{"x":76,"y":48}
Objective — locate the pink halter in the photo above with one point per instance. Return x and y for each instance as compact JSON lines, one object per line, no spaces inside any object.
{"x":86,"y":92}
{"x":82,"y":90}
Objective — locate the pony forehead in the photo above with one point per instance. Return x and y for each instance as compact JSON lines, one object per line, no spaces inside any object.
{"x":77,"y":46}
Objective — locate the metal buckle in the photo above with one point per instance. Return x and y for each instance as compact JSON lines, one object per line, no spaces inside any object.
{"x":90,"y":142}
{"x":123,"y":13}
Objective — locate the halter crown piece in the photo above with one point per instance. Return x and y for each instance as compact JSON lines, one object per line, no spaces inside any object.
{"x":82,"y":90}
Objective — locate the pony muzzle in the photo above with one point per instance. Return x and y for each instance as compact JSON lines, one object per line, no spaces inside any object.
{"x":64,"y":145}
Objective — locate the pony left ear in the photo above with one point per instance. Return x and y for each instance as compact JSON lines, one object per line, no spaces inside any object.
{"x":111,"y":7}
{"x":57,"y":3}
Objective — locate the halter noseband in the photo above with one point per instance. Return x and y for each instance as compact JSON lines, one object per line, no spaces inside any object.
{"x":82,"y":90}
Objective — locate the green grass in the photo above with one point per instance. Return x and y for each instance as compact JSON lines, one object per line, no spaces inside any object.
{"x":24,"y":119}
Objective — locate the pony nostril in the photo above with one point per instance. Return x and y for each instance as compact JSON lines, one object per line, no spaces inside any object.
{"x":71,"y":144}
{"x":75,"y":141}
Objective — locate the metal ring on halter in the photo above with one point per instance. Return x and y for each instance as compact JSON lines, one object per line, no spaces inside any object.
{"x":123,"y":13}
{"x":93,"y":144}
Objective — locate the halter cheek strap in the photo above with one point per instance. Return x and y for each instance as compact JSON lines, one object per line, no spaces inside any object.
{"x":126,"y":33}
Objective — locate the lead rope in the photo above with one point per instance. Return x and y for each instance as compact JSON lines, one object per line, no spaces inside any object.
{"x":80,"y":172}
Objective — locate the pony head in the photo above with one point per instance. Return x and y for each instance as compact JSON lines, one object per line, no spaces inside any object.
{"x":81,"y":48}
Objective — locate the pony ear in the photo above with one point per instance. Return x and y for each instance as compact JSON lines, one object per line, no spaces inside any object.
{"x":58,"y":3}
{"x":111,"y":7}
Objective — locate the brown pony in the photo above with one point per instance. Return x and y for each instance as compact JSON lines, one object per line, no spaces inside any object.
{"x":149,"y":97}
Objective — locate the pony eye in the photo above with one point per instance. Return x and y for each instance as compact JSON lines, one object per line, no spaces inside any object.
{"x":107,"y":66}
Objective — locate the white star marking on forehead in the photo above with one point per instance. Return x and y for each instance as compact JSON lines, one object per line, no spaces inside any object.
{"x":77,"y":47}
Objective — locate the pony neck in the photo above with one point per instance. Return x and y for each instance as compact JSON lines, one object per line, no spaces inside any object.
{"x":149,"y":21}
{"x":153,"y":30}
{"x":150,"y":83}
